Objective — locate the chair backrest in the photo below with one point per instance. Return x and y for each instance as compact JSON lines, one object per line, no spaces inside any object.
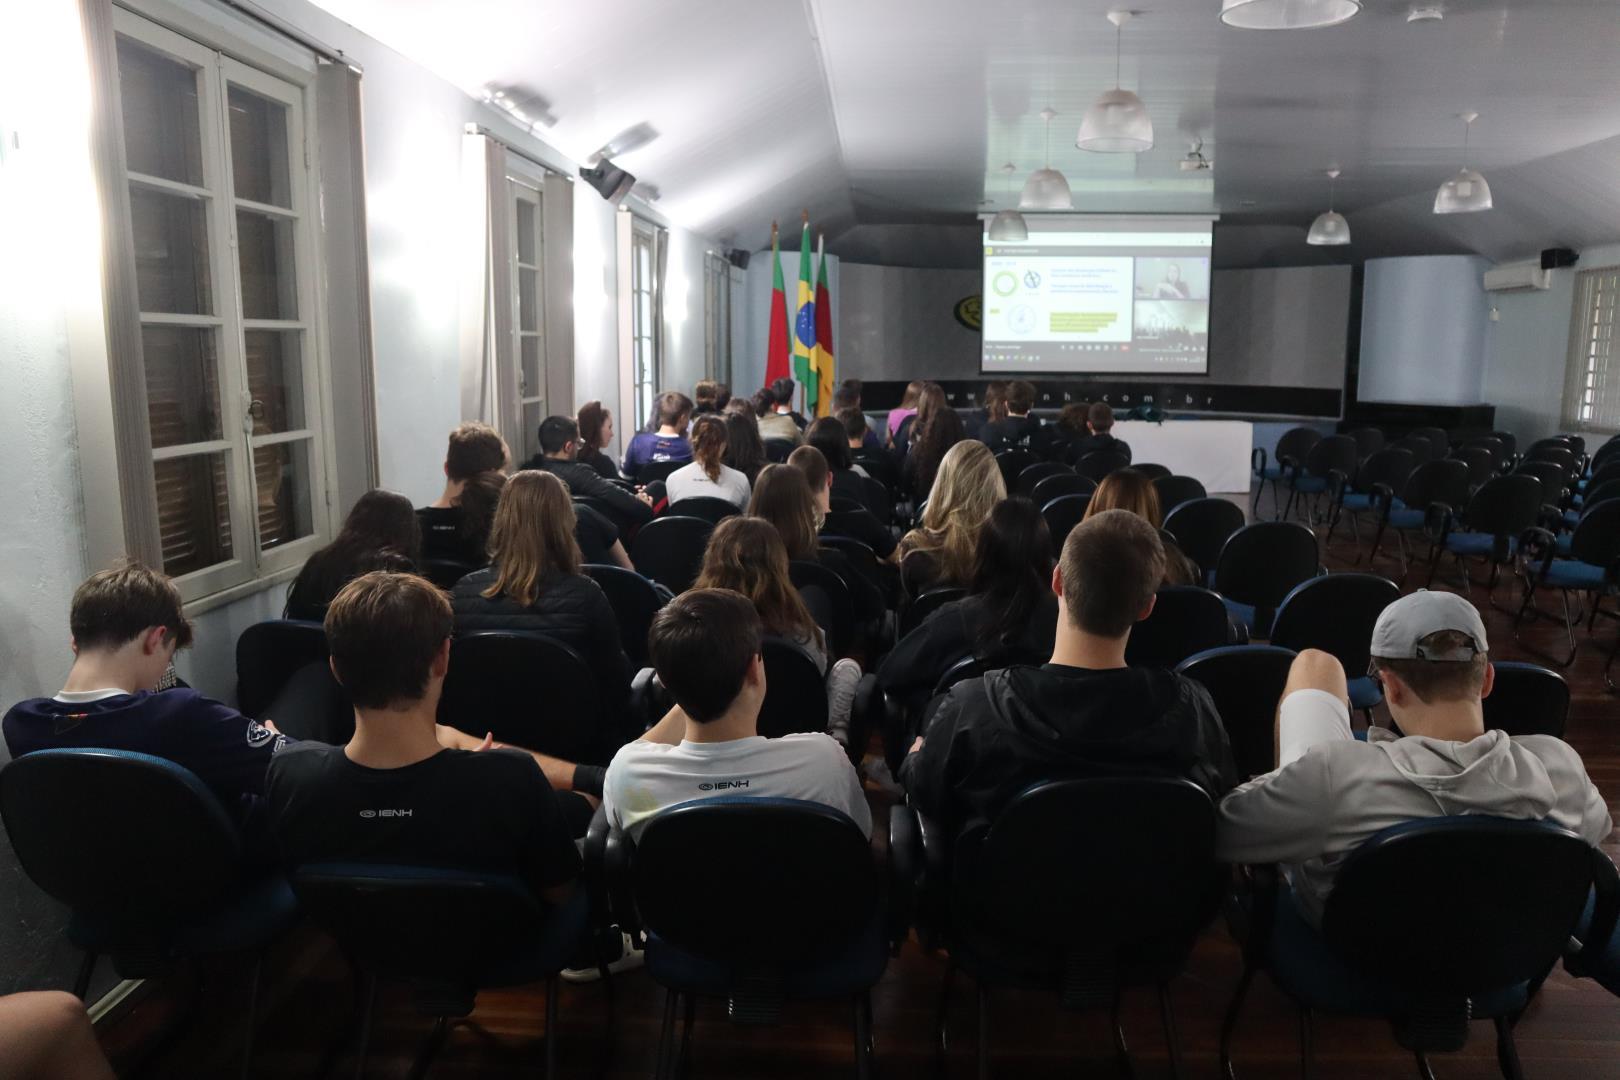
{"x":1504,"y":507}
{"x":1294,"y":444}
{"x":1334,"y":454}
{"x":1438,"y":438}
{"x":658,"y":471}
{"x":1261,"y":563}
{"x":1607,"y":473}
{"x":1335,"y":613}
{"x":1059,"y":485}
{"x":1201,"y":528}
{"x":1391,"y":466}
{"x":1151,"y":470}
{"x":1483,"y":904}
{"x":1609,"y":451}
{"x":1369,"y":440}
{"x":1422,"y":449}
{"x":670,"y":550}
{"x":1527,"y":699}
{"x":1495,"y":446}
{"x":133,"y":842}
{"x":1481,"y":463}
{"x":778,"y":450}
{"x":799,"y":880}
{"x":875,"y":497}
{"x":1062,"y":514}
{"x":1030,"y":475}
{"x":880,"y":467}
{"x":1129,"y":862}
{"x":708,"y":507}
{"x":1597,"y":535}
{"x":1175,"y":490}
{"x":969,"y":667}
{"x":795,"y":691}
{"x":446,"y":572}
{"x":1097,"y":464}
{"x":1443,"y":480}
{"x":828,"y":597}
{"x":269,"y":653}
{"x":527,"y":689}
{"x":1609,"y":489}
{"x":1246,"y":682}
{"x":1185,"y":620}
{"x":634,"y":601}
{"x":1554,"y":484}
{"x":1509,"y":441}
{"x":1561,"y":456}
{"x":1011,"y":463}
{"x":913,"y":614}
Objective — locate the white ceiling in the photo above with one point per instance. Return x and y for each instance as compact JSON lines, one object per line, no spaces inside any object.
{"x":889,"y":119}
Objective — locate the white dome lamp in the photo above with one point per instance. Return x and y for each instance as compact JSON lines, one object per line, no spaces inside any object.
{"x":1118,"y":122}
{"x":1008,"y":226}
{"x":1046,"y":188}
{"x":1287,"y":14}
{"x":1467,"y":192}
{"x":1329,"y":228}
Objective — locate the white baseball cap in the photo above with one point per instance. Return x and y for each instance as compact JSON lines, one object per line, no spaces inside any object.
{"x":1402,"y":627}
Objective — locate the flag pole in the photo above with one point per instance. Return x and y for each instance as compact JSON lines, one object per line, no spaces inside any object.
{"x":804,"y":391}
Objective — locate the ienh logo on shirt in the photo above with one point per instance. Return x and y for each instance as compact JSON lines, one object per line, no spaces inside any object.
{"x":722,"y":785}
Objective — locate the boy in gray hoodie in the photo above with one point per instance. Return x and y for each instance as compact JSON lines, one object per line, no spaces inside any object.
{"x":1330,"y":791}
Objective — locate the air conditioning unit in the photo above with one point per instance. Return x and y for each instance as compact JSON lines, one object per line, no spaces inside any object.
{"x":1517,"y":277}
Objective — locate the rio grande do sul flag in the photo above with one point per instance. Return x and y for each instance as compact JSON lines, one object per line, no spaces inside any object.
{"x":776,"y":353}
{"x":821,"y":357}
{"x":804,"y":325}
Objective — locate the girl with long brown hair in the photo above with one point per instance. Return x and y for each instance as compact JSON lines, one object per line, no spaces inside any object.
{"x":907,"y":409}
{"x":1127,"y":489}
{"x":942,"y":551}
{"x":784,"y":499}
{"x":936,"y":429}
{"x":708,"y":475}
{"x":381,"y":533}
{"x":595,"y":434}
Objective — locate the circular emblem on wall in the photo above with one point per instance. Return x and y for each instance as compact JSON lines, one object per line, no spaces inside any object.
{"x":969,"y":312}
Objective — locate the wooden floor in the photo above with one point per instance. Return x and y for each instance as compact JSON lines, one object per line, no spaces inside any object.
{"x":1572,"y":1032}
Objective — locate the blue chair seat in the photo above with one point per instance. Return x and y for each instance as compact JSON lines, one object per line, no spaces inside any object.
{"x":1405,"y":518}
{"x":1310,"y":485}
{"x":1473,"y":543}
{"x":258,"y":913}
{"x":1358,"y":501}
{"x":853,"y":969}
{"x":1272,"y":472}
{"x":1572,"y":518}
{"x":1571,"y":574}
{"x":1364,"y":693}
{"x":1244,"y":615}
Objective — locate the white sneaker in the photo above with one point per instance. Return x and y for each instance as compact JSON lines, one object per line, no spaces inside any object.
{"x":629,"y":959}
{"x":876,"y":771}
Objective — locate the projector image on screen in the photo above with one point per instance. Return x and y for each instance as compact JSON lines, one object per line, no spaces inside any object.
{"x":1093,"y":294}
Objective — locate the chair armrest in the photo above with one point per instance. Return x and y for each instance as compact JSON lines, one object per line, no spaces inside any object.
{"x":1538,"y":545}
{"x":1257,"y":460}
{"x":1551,"y":518}
{"x":1253,"y":911}
{"x":905,"y":872}
{"x":932,"y":897}
{"x":1381,"y":497}
{"x":645,"y":694}
{"x":1438,"y":520}
{"x":595,"y":855}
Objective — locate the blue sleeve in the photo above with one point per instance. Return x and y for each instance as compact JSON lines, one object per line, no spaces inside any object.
{"x":228,"y":751}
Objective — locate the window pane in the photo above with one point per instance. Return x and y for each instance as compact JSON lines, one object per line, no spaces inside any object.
{"x":259,"y":148}
{"x":528,"y":300}
{"x":275,"y":381}
{"x":265,"y":247}
{"x":532,"y":384}
{"x":182,"y":384}
{"x":171,"y":253}
{"x":161,"y":135}
{"x":194,"y":513}
{"x":526,"y":232}
{"x":281,"y":476}
{"x":533,"y":413}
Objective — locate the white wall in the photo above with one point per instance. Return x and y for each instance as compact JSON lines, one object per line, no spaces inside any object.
{"x":1423,"y":325}
{"x":900,"y":323}
{"x":684,"y":337}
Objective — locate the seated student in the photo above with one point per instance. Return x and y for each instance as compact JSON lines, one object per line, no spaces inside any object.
{"x":1331,"y":791}
{"x":1068,"y":429}
{"x":705,"y":646}
{"x":906,"y":411}
{"x":1017,"y":429}
{"x":667,"y":439}
{"x":1008,"y":617}
{"x":745,"y":450}
{"x":595,"y":424}
{"x":858,"y":435}
{"x":457,"y":525}
{"x":848,"y":396}
{"x":489,"y":810}
{"x":992,"y":409}
{"x":799,"y":510}
{"x":382,"y":532}
{"x":1099,"y":434}
{"x":707,"y":476}
{"x":47,"y":1035}
{"x":709,"y":396}
{"x":860,"y":524}
{"x":780,"y":421}
{"x":559,"y":450}
{"x":1085,"y":713}
{"x":1130,"y":490}
{"x":941,"y":551}
{"x":534,"y":583}
{"x":848,"y":479}
{"x":936,"y":430}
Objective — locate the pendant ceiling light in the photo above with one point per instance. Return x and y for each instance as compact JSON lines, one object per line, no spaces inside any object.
{"x":1046,"y":188}
{"x":1008,"y":226}
{"x":1467,"y":192}
{"x":1329,"y":228}
{"x":1287,"y":14}
{"x":1118,"y":122}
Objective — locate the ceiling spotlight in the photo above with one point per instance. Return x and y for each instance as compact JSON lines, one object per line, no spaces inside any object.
{"x":1008,"y":226}
{"x":1118,"y":122}
{"x":1195,"y":161}
{"x":1329,"y":228}
{"x":1046,"y":188}
{"x":1467,"y":192}
{"x":1287,"y":14}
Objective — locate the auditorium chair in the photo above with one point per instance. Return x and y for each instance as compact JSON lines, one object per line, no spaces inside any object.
{"x":446,"y":572}
{"x":864,"y":561}
{"x":1259,"y":565}
{"x":1098,"y":464}
{"x":1607,"y":473}
{"x":528,"y":690}
{"x":1336,"y":613}
{"x":1442,"y":483}
{"x":1185,"y":620}
{"x":656,"y":472}
{"x":1438,"y":438}
{"x":878,"y":500}
{"x":670,"y":550}
{"x":1114,"y":879}
{"x":447,"y":933}
{"x":634,"y":600}
{"x":930,"y":601}
{"x":708,"y":507}
{"x":1288,"y":454}
{"x":269,"y":653}
{"x":1502,"y":460}
{"x":1201,"y":528}
{"x":1011,"y":463}
{"x":1369,"y":440}
{"x":1593,"y":567}
{"x":795,"y":690}
{"x":1555,"y":485}
{"x":1328,"y":464}
{"x":1475,"y":911}
{"x":1609,"y":451}
{"x":828,"y":598}
{"x":1422,"y":449}
{"x":1062,"y":514}
{"x":1385,"y":470}
{"x":1054,"y":487}
{"x":1489,"y":527}
{"x":1031,"y":475}
{"x":1527,"y":699}
{"x":1151,"y":470}
{"x":147,"y":861}
{"x":1481,"y":462}
{"x":777,"y":451}
{"x":880,"y":467}
{"x":1509,"y":441}
{"x":1175,"y":490}
{"x":1559,"y":456}
{"x":1246,"y":683}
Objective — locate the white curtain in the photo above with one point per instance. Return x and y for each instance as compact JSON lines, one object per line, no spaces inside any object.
{"x":489,"y":387}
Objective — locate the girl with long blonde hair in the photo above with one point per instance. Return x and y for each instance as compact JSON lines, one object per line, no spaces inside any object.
{"x":942,"y":551}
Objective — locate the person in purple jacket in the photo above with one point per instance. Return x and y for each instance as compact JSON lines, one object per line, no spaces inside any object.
{"x":667,"y":441}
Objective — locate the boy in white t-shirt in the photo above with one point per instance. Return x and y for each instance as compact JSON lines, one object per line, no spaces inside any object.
{"x":705,"y":648}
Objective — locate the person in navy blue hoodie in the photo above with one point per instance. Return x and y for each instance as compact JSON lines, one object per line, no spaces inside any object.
{"x":667,"y":440}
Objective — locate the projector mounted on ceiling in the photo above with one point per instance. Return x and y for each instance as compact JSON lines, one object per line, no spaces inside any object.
{"x":610,"y":181}
{"x":1195,"y":161}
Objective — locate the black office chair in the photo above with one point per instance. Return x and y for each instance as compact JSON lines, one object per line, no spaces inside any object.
{"x":1331,"y":461}
{"x":1527,"y":699}
{"x":880,"y":467}
{"x":708,"y":507}
{"x":1175,"y":490}
{"x":877,"y":500}
{"x":1422,"y":449}
{"x":795,"y":690}
{"x":969,"y":667}
{"x":913,"y":614}
{"x":1011,"y":463}
{"x":670,"y":550}
{"x":146,"y":859}
{"x":1201,"y":528}
{"x":1369,"y":440}
{"x":1431,"y":486}
{"x":1031,"y":475}
{"x":1509,"y":441}
{"x":828,"y":597}
{"x":1062,"y":514}
{"x":1488,"y":528}
{"x":1097,"y":464}
{"x":865,"y":562}
{"x":1593,"y":567}
{"x":1438,"y":438}
{"x":656,"y":472}
{"x":1288,"y":455}
{"x":1512,"y":893}
{"x":1259,"y":565}
{"x":778,"y":451}
{"x":1608,"y":473}
{"x":808,"y":868}
{"x":634,"y":601}
{"x":1481,"y":464}
{"x":1185,"y":620}
{"x":1559,"y":455}
{"x":1502,"y":460}
{"x":528,"y":690}
{"x":1151,"y":470}
{"x":269,"y":654}
{"x":448,"y":933}
{"x":1246,"y":683}
{"x":1122,"y":870}
{"x":446,"y":572}
{"x":1059,"y":485}
{"x":1336,"y":613}
{"x":1380,"y":474}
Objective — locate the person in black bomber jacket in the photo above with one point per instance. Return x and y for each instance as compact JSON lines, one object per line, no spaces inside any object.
{"x":1084,"y":714}
{"x":534,"y":583}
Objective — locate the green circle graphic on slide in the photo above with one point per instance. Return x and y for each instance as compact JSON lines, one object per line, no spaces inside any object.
{"x":1005,"y":283}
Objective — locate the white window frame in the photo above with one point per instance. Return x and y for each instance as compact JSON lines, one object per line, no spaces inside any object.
{"x":645,"y":340}
{"x":1592,"y":377}
{"x":527,"y":190}
{"x":718,"y":346}
{"x":218,"y":60}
